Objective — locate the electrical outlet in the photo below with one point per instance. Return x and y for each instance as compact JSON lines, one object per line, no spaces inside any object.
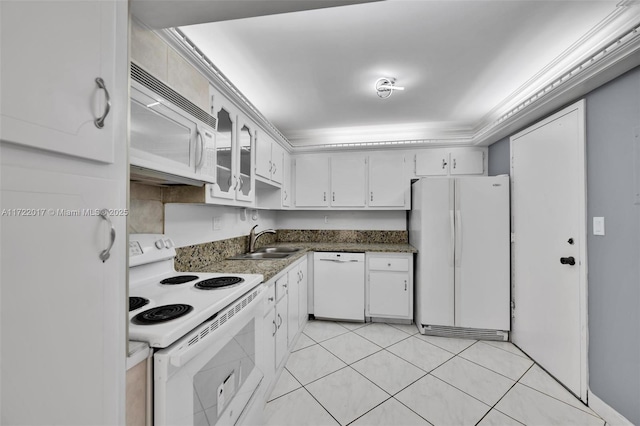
{"x":217,"y":223}
{"x":598,"y":226}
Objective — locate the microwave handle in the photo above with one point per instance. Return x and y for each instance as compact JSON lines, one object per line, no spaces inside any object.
{"x":199,"y":135}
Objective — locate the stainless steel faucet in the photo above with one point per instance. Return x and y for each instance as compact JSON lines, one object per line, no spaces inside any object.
{"x":253,"y":237}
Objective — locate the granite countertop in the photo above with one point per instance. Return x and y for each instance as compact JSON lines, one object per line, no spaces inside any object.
{"x":270,"y":268}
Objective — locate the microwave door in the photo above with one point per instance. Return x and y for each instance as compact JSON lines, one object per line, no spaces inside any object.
{"x":206,"y":154}
{"x":160,"y":139}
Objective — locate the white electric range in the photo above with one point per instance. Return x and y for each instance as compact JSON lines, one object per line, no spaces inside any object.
{"x":204,"y":328}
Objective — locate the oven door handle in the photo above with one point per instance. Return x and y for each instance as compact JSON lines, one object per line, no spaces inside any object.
{"x":186,"y":352}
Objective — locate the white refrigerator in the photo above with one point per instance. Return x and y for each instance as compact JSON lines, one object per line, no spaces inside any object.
{"x":460,"y":227}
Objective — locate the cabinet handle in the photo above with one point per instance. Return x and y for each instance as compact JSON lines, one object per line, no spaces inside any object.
{"x":454,"y":163}
{"x":99,"y":122}
{"x":285,"y":194}
{"x":444,"y":163}
{"x":275,"y":328}
{"x":280,"y":318}
{"x":334,"y":196}
{"x":230,"y":182}
{"x":275,"y":167}
{"x":270,"y":166}
{"x":104,"y":254}
{"x":371,"y":195}
{"x":405,"y":285}
{"x":324,"y":196}
{"x":270,"y":299}
{"x":201,"y":149}
{"x":241,"y":183}
{"x":284,"y":285}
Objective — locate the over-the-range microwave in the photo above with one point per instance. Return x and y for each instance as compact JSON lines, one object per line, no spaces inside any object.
{"x":168,"y":145}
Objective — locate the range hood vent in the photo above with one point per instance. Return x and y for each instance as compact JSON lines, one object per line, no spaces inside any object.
{"x":150,"y":82}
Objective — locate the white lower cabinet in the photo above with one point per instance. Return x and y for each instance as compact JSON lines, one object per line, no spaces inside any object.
{"x":285,"y":312}
{"x":389,"y":285}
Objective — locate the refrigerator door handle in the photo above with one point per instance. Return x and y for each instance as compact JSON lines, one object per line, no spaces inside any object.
{"x":458,"y":251}
{"x":452,"y":241}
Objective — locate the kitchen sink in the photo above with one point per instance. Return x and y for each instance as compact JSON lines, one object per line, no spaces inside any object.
{"x":261,"y":256}
{"x":277,"y":250}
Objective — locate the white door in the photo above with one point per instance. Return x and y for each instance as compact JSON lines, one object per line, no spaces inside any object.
{"x":348,"y":181}
{"x":62,"y":306}
{"x":467,"y":162}
{"x":389,"y":294}
{"x":387,"y":183}
{"x":293,"y":312}
{"x":548,"y":214}
{"x":432,"y":162}
{"x":482,"y":253}
{"x":52,"y":54}
{"x":263,"y":155}
{"x":312,"y":181}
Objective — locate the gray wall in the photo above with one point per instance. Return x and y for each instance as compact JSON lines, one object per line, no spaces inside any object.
{"x":499,"y":161}
{"x":613,"y":114}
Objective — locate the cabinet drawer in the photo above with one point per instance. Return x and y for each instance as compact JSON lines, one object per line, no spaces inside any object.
{"x":388,"y":264}
{"x":269,"y":298}
{"x":281,"y":286}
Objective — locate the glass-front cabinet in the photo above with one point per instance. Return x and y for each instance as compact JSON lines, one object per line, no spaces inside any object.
{"x":235,"y":143}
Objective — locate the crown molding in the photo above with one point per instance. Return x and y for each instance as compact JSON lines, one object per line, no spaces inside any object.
{"x":607,"y":51}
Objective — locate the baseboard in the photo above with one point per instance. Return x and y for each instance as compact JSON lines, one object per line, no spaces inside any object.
{"x":604,"y":410}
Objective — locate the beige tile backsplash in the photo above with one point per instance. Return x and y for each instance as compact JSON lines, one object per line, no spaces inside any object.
{"x":146,"y":210}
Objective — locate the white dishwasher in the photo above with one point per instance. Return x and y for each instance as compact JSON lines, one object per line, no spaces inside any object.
{"x":338,"y":286}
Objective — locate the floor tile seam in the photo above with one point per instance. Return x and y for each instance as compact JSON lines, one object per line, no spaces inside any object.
{"x":564,"y":402}
{"x":493,"y":407}
{"x":497,"y":372}
{"x":329,"y":338}
{"x":464,"y":392}
{"x":348,"y":366}
{"x":384,"y":347}
{"x":358,"y":360}
{"x":484,"y":368}
{"x":323,"y":407}
{"x":412,"y":410}
{"x":368,"y":411}
{"x":322,"y":377}
{"x":417,"y":366}
{"x":286,"y":393}
{"x":440,"y":347}
{"x":512,"y":353}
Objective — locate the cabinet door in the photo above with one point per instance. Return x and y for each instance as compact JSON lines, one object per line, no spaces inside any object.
{"x":52,"y":54}
{"x":303,"y":304}
{"x":267,"y":362}
{"x":467,"y":163}
{"x":293,"y":313}
{"x":286,"y":180}
{"x":432,"y":162}
{"x":225,"y":157}
{"x":348,"y":181}
{"x":312,"y":181}
{"x":244,"y":177}
{"x":277,"y":157}
{"x":58,"y":292}
{"x":387,"y":184}
{"x":389,"y":294}
{"x":263,"y":155}
{"x":281,"y":333}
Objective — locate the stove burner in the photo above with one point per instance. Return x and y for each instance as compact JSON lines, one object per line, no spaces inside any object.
{"x":180,"y":279}
{"x":137,"y":302}
{"x":161,"y":314}
{"x":218,"y":282}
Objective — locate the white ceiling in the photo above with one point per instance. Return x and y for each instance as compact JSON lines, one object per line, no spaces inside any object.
{"x":463,"y":63}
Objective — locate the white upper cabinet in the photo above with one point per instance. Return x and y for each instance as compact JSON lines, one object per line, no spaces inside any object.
{"x":388,"y":185}
{"x":445,"y":162}
{"x":312,"y":181}
{"x":348,"y":181}
{"x":235,"y":142}
{"x":56,"y":98}
{"x":269,"y":158}
{"x":354,"y":181}
{"x":286,"y":180}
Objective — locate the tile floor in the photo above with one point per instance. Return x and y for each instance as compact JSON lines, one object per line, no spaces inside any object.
{"x":389,"y":374}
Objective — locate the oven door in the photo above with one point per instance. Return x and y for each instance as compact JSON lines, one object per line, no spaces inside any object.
{"x":210,"y":375}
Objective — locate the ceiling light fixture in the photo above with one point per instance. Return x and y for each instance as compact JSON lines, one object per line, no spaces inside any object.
{"x":385,"y":87}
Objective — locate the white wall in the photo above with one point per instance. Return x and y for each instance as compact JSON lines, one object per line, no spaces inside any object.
{"x":189,"y":224}
{"x":394,"y":220}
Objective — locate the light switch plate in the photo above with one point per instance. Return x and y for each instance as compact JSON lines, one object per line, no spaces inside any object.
{"x":598,"y":226}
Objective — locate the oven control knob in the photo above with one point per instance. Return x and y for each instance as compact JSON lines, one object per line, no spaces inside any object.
{"x":169,"y":243}
{"x":160,"y":244}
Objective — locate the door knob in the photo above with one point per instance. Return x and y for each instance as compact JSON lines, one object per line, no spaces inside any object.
{"x":568,"y":260}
